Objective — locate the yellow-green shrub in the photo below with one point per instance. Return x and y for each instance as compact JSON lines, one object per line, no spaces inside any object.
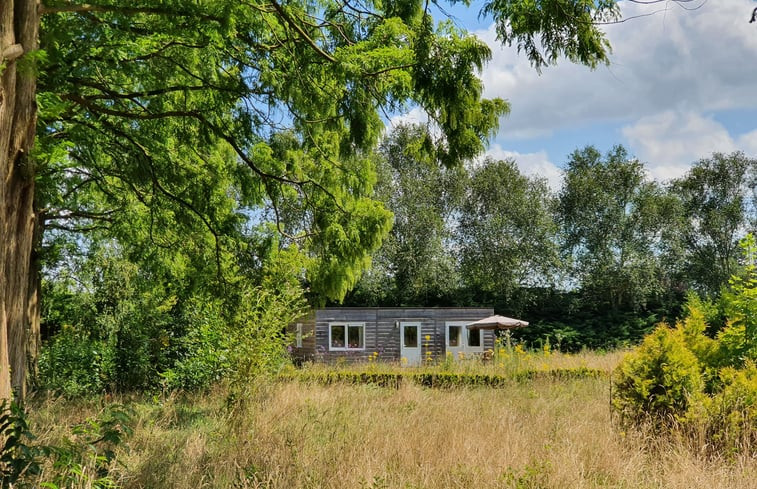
{"x":728,"y":419}
{"x":659,"y":379}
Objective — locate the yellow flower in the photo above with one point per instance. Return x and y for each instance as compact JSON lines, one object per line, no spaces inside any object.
{"x":428,"y":337}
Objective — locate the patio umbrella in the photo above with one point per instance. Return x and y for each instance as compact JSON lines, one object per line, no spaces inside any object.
{"x":497,"y":322}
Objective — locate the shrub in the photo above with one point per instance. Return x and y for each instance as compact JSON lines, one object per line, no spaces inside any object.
{"x":74,"y":364}
{"x":738,"y":340}
{"x":728,"y":418}
{"x":659,"y":379}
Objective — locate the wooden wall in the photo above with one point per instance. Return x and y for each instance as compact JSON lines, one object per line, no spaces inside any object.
{"x":381,"y":335}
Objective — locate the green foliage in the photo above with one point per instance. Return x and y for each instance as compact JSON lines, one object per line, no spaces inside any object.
{"x":19,"y":461}
{"x":506,"y":233}
{"x":717,"y":200}
{"x":548,"y":29}
{"x":82,"y":461}
{"x":728,"y":418}
{"x":659,"y":380}
{"x":413,"y":266}
{"x":611,"y":217}
{"x":738,"y":340}
{"x":87,"y":458}
{"x":693,"y":328}
{"x":204,"y":350}
{"x":114,"y":330}
{"x":440,"y":379}
{"x":74,"y":364}
{"x":663,"y":377}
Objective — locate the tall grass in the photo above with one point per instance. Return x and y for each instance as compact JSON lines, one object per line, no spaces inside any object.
{"x":541,"y":434}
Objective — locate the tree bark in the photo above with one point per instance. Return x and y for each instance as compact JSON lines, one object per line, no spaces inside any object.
{"x":19,"y":27}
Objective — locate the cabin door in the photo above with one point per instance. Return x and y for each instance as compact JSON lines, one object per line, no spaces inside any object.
{"x":454,"y":336}
{"x":410,"y":343}
{"x":461,"y":342}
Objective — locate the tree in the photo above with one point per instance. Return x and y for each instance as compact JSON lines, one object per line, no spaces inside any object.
{"x":612,"y":220}
{"x":718,"y":204}
{"x":139,"y":97}
{"x":414,"y":265}
{"x":506,"y":235}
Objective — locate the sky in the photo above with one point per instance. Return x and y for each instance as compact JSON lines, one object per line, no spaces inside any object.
{"x":681,"y":85}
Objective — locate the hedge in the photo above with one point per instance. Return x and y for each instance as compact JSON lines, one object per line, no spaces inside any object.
{"x":440,"y":379}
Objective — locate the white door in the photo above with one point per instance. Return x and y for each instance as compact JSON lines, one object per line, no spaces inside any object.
{"x":410,"y":343}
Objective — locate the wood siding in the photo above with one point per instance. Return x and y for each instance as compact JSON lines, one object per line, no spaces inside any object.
{"x":381,"y":333}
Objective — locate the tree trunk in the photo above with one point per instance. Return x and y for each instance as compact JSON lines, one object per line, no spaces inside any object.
{"x":19,"y":26}
{"x":33,"y":304}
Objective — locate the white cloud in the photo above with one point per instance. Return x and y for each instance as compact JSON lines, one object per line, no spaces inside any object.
{"x":670,"y":141}
{"x":700,"y":61}
{"x":531,"y":164}
{"x":416,"y":116}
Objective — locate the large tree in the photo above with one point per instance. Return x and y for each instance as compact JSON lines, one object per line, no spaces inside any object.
{"x":506,"y":236}
{"x":613,"y":219}
{"x":718,"y":202}
{"x":145,"y":97}
{"x":414,"y":265}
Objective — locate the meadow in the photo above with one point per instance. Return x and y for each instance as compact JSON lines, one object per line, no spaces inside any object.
{"x":542,"y":433}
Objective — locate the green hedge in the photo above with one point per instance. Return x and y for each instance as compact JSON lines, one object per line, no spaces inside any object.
{"x":440,"y":379}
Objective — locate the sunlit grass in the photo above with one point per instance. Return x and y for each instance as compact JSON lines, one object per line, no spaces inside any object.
{"x":540,"y":434}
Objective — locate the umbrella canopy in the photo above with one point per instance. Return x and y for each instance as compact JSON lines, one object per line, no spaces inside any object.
{"x":497,"y":322}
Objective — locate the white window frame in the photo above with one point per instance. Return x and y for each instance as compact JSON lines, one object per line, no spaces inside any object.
{"x":475,"y":349}
{"x":347,"y":326}
{"x":298,"y":336}
{"x":464,"y":334}
{"x":461,"y":339}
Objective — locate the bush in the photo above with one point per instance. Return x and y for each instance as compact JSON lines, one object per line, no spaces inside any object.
{"x":663,"y":378}
{"x":728,"y":419}
{"x":659,"y":379}
{"x":73,"y":364}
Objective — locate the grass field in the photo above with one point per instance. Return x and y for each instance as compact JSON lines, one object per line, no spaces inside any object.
{"x":527,"y":435}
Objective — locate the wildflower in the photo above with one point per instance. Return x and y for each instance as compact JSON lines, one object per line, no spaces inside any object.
{"x":428,"y":337}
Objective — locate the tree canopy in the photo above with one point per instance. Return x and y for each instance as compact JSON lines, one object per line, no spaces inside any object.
{"x":232,"y":124}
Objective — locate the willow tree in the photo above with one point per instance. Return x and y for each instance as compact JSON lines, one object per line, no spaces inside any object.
{"x":140,"y":97}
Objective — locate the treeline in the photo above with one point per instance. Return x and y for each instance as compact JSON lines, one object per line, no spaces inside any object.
{"x":596,"y":263}
{"x":150,"y":296}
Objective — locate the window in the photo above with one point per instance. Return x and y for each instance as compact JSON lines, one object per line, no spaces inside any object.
{"x":453,"y":335}
{"x":474,"y":338}
{"x":347,"y":336}
{"x":298,"y":337}
{"x":411,"y":336}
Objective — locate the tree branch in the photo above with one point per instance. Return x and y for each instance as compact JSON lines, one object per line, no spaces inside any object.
{"x":88,"y":8}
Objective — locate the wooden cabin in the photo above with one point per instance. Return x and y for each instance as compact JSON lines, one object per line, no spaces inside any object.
{"x":408,"y":335}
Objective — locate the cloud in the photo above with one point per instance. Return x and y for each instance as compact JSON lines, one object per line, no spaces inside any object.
{"x":671,"y":140}
{"x":679,"y":60}
{"x":416,"y":116}
{"x":531,"y":164}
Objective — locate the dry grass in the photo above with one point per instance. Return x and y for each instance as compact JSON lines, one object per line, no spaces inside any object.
{"x":544,"y":434}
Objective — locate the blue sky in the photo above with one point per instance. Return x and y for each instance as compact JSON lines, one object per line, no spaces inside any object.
{"x":681,"y":85}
